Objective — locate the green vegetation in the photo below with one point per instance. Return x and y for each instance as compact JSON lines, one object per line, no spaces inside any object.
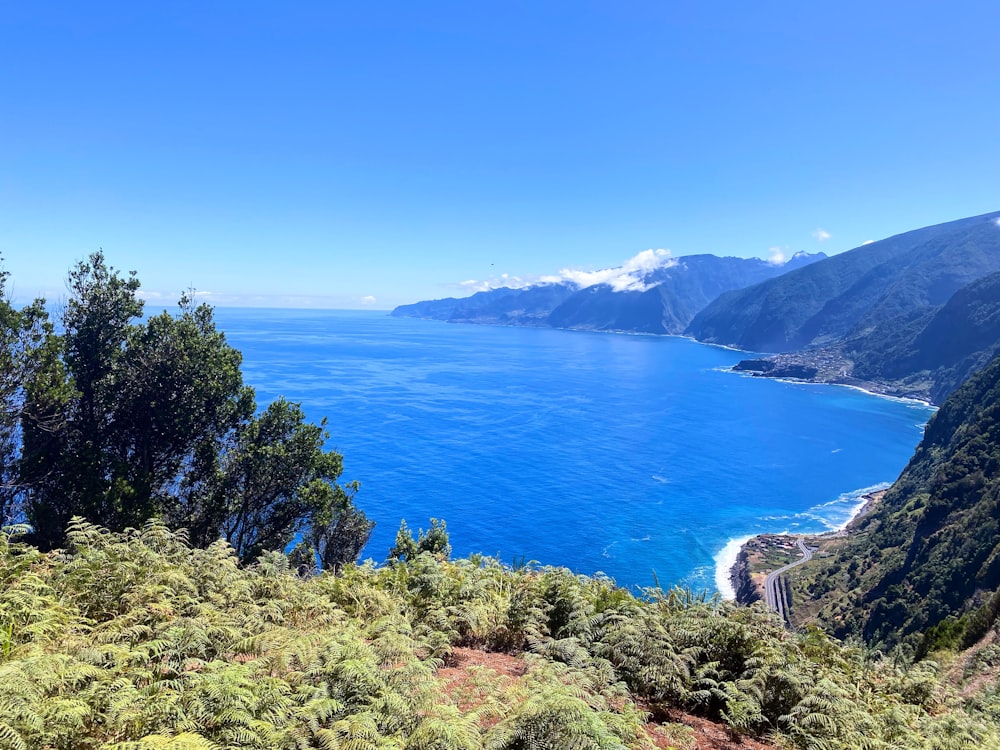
{"x":137,"y":640}
{"x":119,"y":420}
{"x":923,"y":569}
{"x":887,"y":283}
{"x":146,"y":600}
{"x":941,"y":346}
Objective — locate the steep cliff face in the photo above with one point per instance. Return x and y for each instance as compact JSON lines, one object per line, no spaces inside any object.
{"x":747,"y":592}
{"x":930,"y":552}
{"x":848,"y":295}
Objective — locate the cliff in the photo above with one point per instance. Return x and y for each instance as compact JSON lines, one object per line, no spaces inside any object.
{"x":747,"y":592}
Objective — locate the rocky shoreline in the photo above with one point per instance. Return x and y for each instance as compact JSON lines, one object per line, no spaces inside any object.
{"x":746,"y":590}
{"x":765,"y":553}
{"x":831,"y":367}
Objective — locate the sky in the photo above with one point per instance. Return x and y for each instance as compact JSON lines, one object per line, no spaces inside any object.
{"x":370,"y":154}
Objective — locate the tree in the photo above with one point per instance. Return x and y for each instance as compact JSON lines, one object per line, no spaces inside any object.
{"x":340,"y":531}
{"x":138,"y":405}
{"x":21,"y":335}
{"x":274,"y":479}
{"x":434,"y":541}
{"x":127,"y":420}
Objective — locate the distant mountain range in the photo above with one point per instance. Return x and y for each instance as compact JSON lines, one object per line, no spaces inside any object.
{"x":913,"y":315}
{"x":663,"y":300}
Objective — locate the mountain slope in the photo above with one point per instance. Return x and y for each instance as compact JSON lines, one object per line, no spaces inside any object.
{"x":925,"y":354}
{"x":663,"y":300}
{"x":930,"y":552}
{"x":673,"y":296}
{"x":941,"y":346}
{"x":853,"y":293}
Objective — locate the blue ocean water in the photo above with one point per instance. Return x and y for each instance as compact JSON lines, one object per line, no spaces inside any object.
{"x":637,"y":456}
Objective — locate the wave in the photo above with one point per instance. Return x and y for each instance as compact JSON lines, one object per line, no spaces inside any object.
{"x":833,"y":515}
{"x":849,"y":503}
{"x":725,"y":559}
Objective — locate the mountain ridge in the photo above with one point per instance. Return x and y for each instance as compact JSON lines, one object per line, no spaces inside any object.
{"x":662,"y":300}
{"x":882,"y":316}
{"x":922,"y":568}
{"x":854,"y":290}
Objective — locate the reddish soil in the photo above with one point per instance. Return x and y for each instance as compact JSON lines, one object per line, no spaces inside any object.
{"x":460,"y":659}
{"x":459,"y":682}
{"x":707,"y":734}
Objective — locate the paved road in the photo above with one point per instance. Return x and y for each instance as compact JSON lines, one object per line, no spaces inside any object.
{"x":772,"y":595}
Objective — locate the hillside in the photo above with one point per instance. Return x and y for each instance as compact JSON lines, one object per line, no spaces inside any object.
{"x":136,"y":641}
{"x":924,"y":567}
{"x":882,"y":284}
{"x":926,"y":355}
{"x":941,"y":347}
{"x":661,"y":300}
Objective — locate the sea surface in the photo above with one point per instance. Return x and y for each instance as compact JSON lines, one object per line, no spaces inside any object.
{"x":638,"y":456}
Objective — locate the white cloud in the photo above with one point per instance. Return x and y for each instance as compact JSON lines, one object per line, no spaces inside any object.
{"x":627,"y":277}
{"x":997,"y":222}
{"x":504,"y":280}
{"x":821,"y":235}
{"x":867,"y":242}
{"x":776,"y":256}
{"x":368,"y":300}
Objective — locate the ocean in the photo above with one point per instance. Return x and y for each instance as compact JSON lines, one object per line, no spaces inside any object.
{"x":641,"y":457}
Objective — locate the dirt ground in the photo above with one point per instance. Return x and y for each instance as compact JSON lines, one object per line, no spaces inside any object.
{"x":460,"y":681}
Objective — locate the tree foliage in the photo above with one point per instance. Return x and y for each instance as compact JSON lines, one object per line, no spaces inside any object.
{"x":22,"y":333}
{"x":434,"y":541}
{"x":119,"y":419}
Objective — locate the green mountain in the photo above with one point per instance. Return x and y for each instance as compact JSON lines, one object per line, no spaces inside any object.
{"x":885,"y":284}
{"x":926,"y":354}
{"x":661,"y":300}
{"x":924,"y":567}
{"x":505,"y":306}
{"x":936,"y":350}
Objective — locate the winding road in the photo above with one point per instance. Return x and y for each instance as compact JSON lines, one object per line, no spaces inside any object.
{"x":773,"y":594}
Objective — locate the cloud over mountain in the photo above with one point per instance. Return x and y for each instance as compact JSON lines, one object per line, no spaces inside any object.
{"x":628,"y":277}
{"x":651,"y":292}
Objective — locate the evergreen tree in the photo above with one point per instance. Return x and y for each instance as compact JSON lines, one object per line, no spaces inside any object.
{"x":21,"y":334}
{"x":127,"y":419}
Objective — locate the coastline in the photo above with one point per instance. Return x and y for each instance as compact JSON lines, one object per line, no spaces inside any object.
{"x":827,"y":367}
{"x":725,"y":564}
{"x":870,"y":390}
{"x":732,"y":571}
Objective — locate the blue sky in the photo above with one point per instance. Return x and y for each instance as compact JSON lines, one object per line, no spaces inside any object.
{"x":370,"y":154}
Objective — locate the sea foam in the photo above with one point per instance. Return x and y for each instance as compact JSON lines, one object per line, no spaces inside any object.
{"x":725,"y":559}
